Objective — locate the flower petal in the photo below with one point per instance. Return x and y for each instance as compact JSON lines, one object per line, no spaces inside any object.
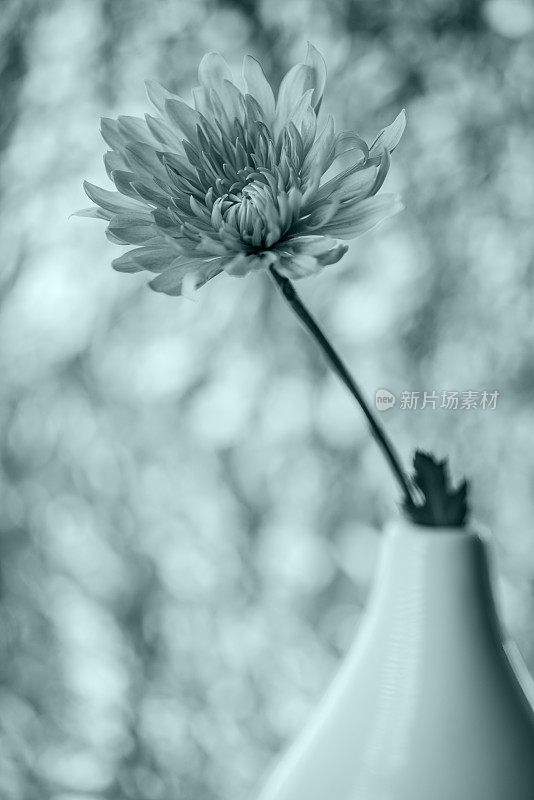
{"x":208,"y":246}
{"x":308,"y":129}
{"x":123,"y":181}
{"x":180,"y":165}
{"x":323,"y":248}
{"x":258,"y":86}
{"x":353,"y":183}
{"x":241,"y":265}
{"x":389,"y":137}
{"x":232,"y":100}
{"x":321,"y":215}
{"x":149,"y":194}
{"x":347,"y":141}
{"x":382,"y":171}
{"x":294,"y":83}
{"x":133,"y":129}
{"x":114,"y":161}
{"x":363,"y":216}
{"x":333,"y":254}
{"x":300,"y":110}
{"x":201,"y":100}
{"x":163,"y":133}
{"x":133,"y":228}
{"x":320,"y":155}
{"x":115,"y":202}
{"x":213,"y":70}
{"x":315,"y":60}
{"x":92,"y":213}
{"x":109,"y":129}
{"x":155,"y":258}
{"x":158,"y":95}
{"x":172,"y":280}
{"x":144,"y":162}
{"x":350,"y":153}
{"x":126,"y":263}
{"x":299,"y":266}
{"x":184,"y":117}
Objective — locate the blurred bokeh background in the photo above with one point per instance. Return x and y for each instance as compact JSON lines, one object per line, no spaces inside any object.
{"x":190,"y":505}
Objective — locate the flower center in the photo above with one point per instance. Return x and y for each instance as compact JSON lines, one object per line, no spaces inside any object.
{"x":255,"y":215}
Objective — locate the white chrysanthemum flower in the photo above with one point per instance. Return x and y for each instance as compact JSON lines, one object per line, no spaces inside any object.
{"x":241,"y":182}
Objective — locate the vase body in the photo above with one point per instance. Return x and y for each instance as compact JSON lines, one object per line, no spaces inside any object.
{"x":430,"y":703}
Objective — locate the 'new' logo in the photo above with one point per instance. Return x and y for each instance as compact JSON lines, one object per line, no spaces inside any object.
{"x":384,"y":399}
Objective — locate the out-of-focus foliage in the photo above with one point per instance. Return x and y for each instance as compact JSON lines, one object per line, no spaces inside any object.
{"x":190,"y":506}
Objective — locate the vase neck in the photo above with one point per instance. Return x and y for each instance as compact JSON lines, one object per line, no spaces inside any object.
{"x":442,"y":574}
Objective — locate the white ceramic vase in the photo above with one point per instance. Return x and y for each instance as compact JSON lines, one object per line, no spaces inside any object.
{"x":430,"y":703}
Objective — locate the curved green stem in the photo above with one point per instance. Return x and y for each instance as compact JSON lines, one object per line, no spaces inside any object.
{"x":289,"y":294}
